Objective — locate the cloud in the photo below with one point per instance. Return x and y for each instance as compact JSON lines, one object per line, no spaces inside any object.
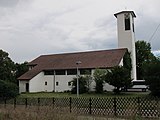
{"x":29,"y":28}
{"x":8,"y":3}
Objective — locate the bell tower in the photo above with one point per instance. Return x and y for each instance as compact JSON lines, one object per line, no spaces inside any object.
{"x":126,"y":36}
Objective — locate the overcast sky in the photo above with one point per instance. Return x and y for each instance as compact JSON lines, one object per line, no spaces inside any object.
{"x":30,"y":28}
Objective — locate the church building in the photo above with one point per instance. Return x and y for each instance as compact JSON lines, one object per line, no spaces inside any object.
{"x":48,"y":73}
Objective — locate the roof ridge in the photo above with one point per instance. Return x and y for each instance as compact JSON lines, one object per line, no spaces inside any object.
{"x":83,"y":52}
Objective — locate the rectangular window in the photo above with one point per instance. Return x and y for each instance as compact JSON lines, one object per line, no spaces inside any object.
{"x":71,"y":72}
{"x":133,"y":26}
{"x":85,"y":71}
{"x":49,"y":72}
{"x":57,"y":83}
{"x":127,"y":22}
{"x":60,"y":72}
{"x":45,"y":83}
{"x":69,"y":83}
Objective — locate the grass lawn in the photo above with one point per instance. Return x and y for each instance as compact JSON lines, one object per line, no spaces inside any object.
{"x":55,"y":94}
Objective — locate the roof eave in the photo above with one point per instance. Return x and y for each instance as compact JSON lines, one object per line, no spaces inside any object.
{"x":132,"y":12}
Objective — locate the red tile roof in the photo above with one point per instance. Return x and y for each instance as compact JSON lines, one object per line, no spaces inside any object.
{"x":92,"y":59}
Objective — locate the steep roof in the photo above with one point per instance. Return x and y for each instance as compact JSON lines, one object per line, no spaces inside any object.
{"x":91,"y":59}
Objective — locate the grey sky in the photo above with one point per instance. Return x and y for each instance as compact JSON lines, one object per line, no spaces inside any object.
{"x":29,"y":28}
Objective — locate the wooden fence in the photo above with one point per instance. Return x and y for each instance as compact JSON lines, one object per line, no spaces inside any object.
{"x":111,"y":106}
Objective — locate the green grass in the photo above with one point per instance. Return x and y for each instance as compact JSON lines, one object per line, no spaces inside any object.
{"x":86,"y":95}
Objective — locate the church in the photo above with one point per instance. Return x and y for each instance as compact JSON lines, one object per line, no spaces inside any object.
{"x":48,"y":73}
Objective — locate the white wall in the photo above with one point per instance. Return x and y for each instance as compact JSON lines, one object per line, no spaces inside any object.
{"x":63,"y":82}
{"x":36,"y":84}
{"x":126,"y":39}
{"x":108,"y":87}
{"x":22,"y":86}
{"x":50,"y":83}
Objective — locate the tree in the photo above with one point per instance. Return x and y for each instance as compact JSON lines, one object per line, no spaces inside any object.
{"x":143,"y":57}
{"x":21,"y":69}
{"x":8,"y":90}
{"x":7,"y":67}
{"x":127,"y":61}
{"x":119,"y":77}
{"x":152,"y":77}
{"x":82,"y":85}
{"x":99,"y":77}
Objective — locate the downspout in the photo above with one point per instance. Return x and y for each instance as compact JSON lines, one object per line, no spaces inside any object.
{"x":54,"y":79}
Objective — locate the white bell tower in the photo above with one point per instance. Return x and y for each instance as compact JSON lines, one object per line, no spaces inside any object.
{"x":126,"y":36}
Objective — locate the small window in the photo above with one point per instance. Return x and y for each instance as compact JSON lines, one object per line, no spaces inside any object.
{"x":60,"y":72}
{"x":57,"y":83}
{"x":49,"y":72}
{"x":127,"y":22}
{"x":69,"y":83}
{"x":45,"y":83}
{"x":85,"y":71}
{"x":133,"y":26}
{"x":72,"y":72}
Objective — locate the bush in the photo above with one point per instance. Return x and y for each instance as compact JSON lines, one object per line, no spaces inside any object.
{"x":83,"y":88}
{"x":152,"y":72}
{"x":119,"y":77}
{"x":8,"y":90}
{"x":99,"y":77}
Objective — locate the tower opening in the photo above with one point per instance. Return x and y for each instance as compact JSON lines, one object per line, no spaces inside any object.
{"x":127,"y":22}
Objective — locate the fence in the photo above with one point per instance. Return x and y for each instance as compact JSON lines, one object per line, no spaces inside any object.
{"x":111,"y":106}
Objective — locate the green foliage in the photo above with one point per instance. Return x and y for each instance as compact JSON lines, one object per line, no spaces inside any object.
{"x":8,"y":90}
{"x":99,"y":77}
{"x":127,"y":61}
{"x":119,"y":77}
{"x":83,"y":88}
{"x":143,"y":57}
{"x":9,"y":71}
{"x":7,"y":67}
{"x":152,"y":77}
{"x":21,"y":69}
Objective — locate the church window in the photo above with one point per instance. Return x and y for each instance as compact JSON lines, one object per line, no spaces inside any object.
{"x":60,"y":72}
{"x":72,"y":72}
{"x":85,"y":71}
{"x":57,"y":83}
{"x":45,"y":83}
{"x":127,"y":22}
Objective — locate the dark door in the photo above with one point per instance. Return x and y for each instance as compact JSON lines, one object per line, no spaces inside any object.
{"x":27,"y":87}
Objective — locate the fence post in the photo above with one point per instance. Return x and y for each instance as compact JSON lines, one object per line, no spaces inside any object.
{"x":26,"y":102}
{"x":5,"y":102}
{"x":53,"y":102}
{"x":70,"y":104}
{"x":15,"y":103}
{"x":90,"y":106}
{"x":138,"y":101}
{"x":38,"y":103}
{"x":115,"y":106}
{"x":158,"y":102}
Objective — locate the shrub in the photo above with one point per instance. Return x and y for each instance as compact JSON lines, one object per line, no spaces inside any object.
{"x":152,"y":77}
{"x":8,"y":90}
{"x":83,"y":88}
{"x":99,"y":77}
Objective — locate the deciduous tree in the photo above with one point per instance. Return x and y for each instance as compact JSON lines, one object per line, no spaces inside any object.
{"x":143,"y":56}
{"x":83,"y":87}
{"x":99,"y":77}
{"x":152,"y":77}
{"x":7,"y":67}
{"x":119,"y":77}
